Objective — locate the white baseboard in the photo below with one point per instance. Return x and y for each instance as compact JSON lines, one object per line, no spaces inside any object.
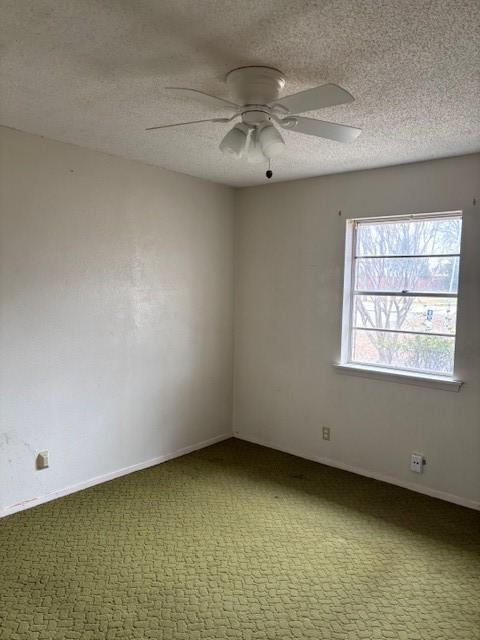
{"x":433,"y":493}
{"x":27,"y":504}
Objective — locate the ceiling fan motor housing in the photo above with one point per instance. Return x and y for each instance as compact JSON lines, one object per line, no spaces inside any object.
{"x":255,"y":85}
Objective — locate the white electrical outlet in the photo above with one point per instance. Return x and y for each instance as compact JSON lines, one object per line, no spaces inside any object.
{"x":416,"y":462}
{"x":42,"y":460}
{"x":326,"y":433}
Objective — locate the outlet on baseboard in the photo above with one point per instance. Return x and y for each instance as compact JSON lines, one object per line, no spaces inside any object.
{"x":326,"y":433}
{"x":417,"y":461}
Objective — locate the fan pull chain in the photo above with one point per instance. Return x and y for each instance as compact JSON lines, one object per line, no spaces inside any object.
{"x":269,"y":172}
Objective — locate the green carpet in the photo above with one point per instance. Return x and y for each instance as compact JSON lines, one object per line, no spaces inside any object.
{"x":241,"y":542}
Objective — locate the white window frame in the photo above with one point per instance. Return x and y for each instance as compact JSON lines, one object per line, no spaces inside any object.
{"x":346,"y":365}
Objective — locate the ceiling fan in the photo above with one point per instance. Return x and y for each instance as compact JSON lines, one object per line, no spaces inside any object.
{"x":258,"y":105}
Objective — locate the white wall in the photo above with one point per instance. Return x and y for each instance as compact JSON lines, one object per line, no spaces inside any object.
{"x":116,"y":314}
{"x":116,"y":291}
{"x":289,"y":277}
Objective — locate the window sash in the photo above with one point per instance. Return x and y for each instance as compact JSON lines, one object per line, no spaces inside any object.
{"x":410,"y":255}
{"x":406,"y":331}
{"x":405,"y":293}
{"x":393,"y":219}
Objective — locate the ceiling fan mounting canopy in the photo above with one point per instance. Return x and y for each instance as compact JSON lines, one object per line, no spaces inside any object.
{"x":258,"y":106}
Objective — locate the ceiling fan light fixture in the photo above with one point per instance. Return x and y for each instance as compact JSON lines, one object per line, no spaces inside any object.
{"x":271,"y":141}
{"x":234,"y":143}
{"x":255,"y":154}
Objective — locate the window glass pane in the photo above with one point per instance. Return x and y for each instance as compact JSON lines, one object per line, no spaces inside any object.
{"x":436,"y":275}
{"x":429,"y":315}
{"x":409,"y":237}
{"x":433,"y":354}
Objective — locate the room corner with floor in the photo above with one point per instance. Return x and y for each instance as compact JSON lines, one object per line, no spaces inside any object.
{"x":239,"y":311}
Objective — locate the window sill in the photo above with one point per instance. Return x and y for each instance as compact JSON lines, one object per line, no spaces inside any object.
{"x":404,"y":377}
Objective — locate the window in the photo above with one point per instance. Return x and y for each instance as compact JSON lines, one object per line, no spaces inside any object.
{"x":400,"y":294}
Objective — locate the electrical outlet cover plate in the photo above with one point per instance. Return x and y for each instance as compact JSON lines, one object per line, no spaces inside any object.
{"x":42,"y":460}
{"x":416,"y":462}
{"x":326,"y":433}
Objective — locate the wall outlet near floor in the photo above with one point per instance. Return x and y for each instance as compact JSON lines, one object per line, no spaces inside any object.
{"x":42,"y":460}
{"x":417,"y":462}
{"x":326,"y":433}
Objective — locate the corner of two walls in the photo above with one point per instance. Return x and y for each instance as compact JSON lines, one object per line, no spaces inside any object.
{"x":145,"y":314}
{"x":289,"y":254}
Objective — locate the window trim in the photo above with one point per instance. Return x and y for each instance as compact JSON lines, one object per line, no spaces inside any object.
{"x":409,"y":376}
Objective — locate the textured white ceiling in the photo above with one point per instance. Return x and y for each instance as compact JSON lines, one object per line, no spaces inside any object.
{"x":91,"y":72}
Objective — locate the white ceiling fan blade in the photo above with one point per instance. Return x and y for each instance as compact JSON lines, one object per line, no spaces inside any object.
{"x":328,"y":95}
{"x":182,"y":124}
{"x":320,"y":128}
{"x":213,"y":102}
